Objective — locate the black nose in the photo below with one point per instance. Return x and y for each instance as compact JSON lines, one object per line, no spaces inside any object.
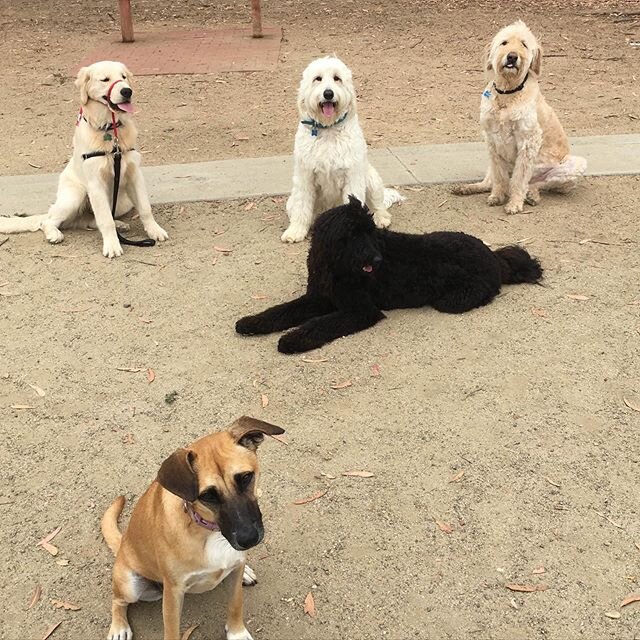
{"x":377,"y":259}
{"x":512,"y":58}
{"x":328,"y":94}
{"x":126,"y":93}
{"x":248,"y":537}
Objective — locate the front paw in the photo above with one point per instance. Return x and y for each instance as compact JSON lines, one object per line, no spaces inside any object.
{"x":117,"y":632}
{"x":532,"y":198}
{"x":513,"y":207}
{"x":294,"y":233}
{"x":243,"y":634}
{"x":296,"y":342}
{"x":156,"y":232}
{"x":251,"y":326}
{"x":121,"y":225}
{"x":111,"y":248}
{"x":249,"y":576}
{"x":52,"y":233}
{"x":382,"y":219}
{"x":496,"y":199}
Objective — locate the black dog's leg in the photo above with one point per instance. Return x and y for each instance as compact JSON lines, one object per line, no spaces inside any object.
{"x":319,"y":331}
{"x":284,"y":316}
{"x":476,"y":294}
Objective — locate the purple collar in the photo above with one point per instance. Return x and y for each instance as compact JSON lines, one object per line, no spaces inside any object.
{"x":197,"y":518}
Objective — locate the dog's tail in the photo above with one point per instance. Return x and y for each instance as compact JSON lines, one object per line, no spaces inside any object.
{"x":109,"y":527}
{"x":18,"y":224}
{"x":391,"y":196}
{"x":517,"y":265}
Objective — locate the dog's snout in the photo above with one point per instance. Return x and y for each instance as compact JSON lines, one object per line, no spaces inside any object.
{"x":512,"y":58}
{"x":328,"y":94}
{"x":126,"y":92}
{"x":248,"y":537}
{"x":377,"y":259}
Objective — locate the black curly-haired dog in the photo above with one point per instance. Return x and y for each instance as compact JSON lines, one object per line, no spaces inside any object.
{"x":356,"y":269}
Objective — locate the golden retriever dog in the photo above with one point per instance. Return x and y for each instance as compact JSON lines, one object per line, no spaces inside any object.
{"x":86,"y":183}
{"x":528,"y":148}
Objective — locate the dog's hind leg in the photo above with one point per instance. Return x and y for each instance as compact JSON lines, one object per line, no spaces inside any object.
{"x":475,"y":294}
{"x":484,"y":186}
{"x":318,"y":331}
{"x":284,"y":316}
{"x":69,"y":203}
{"x":375,"y":198}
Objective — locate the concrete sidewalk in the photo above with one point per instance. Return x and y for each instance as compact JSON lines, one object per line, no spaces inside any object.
{"x":251,"y":177}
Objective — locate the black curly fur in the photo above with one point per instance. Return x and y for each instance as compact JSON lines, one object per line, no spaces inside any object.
{"x":355,"y":270}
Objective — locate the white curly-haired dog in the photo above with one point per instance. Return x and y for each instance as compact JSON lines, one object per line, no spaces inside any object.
{"x":330,"y":152}
{"x":85,"y":187}
{"x":528,"y":148}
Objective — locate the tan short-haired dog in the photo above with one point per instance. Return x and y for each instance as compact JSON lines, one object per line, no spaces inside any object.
{"x":190,"y":529}
{"x":528,"y":148}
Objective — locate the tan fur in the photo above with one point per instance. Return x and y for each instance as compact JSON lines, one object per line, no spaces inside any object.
{"x":163,"y":545}
{"x":528,"y":148}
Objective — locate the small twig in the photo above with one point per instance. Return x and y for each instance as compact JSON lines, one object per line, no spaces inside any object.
{"x":7,"y":502}
{"x":608,"y":519}
{"x":151,"y":264}
{"x":3,"y":241}
{"x":415,"y":44}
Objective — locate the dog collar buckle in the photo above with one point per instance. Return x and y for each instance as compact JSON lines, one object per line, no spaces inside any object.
{"x":197,"y":518}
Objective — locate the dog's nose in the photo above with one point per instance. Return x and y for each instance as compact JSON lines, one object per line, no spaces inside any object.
{"x":248,"y":537}
{"x":126,"y":93}
{"x":512,"y":58}
{"x":328,"y":94}
{"x":377,"y":259}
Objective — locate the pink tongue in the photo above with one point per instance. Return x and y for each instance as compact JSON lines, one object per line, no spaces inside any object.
{"x":368,"y":268}
{"x":328,"y":109}
{"x":126,"y":106}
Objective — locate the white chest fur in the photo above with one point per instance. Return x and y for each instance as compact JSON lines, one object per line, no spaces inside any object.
{"x":219,"y":559}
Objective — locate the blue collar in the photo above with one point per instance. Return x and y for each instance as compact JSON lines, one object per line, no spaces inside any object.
{"x":318,"y":125}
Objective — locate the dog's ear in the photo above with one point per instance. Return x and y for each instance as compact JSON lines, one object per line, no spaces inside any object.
{"x":127,"y":72}
{"x":178,"y":476}
{"x":487,"y":58}
{"x":82,"y":82}
{"x":536,"y":62}
{"x":358,"y":206}
{"x":249,"y":432}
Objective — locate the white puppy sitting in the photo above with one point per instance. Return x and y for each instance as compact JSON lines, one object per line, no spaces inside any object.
{"x":330,"y":152}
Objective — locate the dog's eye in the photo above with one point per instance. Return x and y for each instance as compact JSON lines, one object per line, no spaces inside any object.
{"x":210,"y":495}
{"x":524,"y":44}
{"x":243,"y":480}
{"x":504,"y":43}
{"x":105,"y":80}
{"x":124,"y":77}
{"x":337,"y":79}
{"x":317,"y":79}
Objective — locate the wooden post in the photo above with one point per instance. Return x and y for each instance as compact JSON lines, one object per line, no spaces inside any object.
{"x":256,"y":18}
{"x":126,"y":22}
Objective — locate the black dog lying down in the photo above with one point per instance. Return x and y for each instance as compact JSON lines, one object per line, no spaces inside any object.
{"x":356,"y":269}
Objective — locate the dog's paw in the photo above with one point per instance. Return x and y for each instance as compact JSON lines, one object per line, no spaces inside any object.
{"x":495,"y":200}
{"x":296,"y":342}
{"x":382,"y":219}
{"x":156,"y":232}
{"x":238,"y":635}
{"x":294,"y":233}
{"x":111,"y":248}
{"x":120,"y":632}
{"x":532,"y":198}
{"x":249,"y":326}
{"x":513,"y":207}
{"x":458,"y":189}
{"x":53,"y":234}
{"x":249,"y":576}
{"x":121,"y":225}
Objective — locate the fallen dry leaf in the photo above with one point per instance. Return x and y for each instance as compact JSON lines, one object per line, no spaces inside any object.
{"x":35,"y":597}
{"x":375,"y":370}
{"x":614,"y":615}
{"x":342,"y":385}
{"x":145,"y":320}
{"x":327,"y":475}
{"x":223,"y":250}
{"x":457,"y":477}
{"x":63,"y":563}
{"x":128,"y":438}
{"x":48,"y":547}
{"x":541,"y":313}
{"x":315,"y":496}
{"x":632,"y":403}
{"x":130,"y":369}
{"x":358,"y":474}
{"x":555,"y":484}
{"x":314,"y":360}
{"x":538,"y":570}
{"x":310,"y":605}
{"x":576,"y":296}
{"x":51,"y":629}
{"x":281,"y":439}
{"x":526,"y":588}
{"x":50,"y":536}
{"x":151,"y":375}
{"x":264,"y":400}
{"x":37,"y":389}
{"x":67,"y":606}
{"x":249,"y":206}
{"x":187,"y":634}
{"x":259,"y":297}
{"x":634,"y":597}
{"x":21,"y":406}
{"x":444,"y":526}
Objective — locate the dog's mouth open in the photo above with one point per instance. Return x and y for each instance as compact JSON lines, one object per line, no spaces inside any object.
{"x":328,"y":109}
{"x":368,"y":268}
{"x":125,"y":107}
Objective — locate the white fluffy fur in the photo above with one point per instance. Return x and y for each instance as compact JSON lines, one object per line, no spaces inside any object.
{"x":528,"y":148}
{"x":334,"y":164}
{"x":86,"y":186}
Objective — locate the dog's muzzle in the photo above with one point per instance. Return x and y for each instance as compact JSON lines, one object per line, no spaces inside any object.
{"x":125,"y":93}
{"x":511,"y":61}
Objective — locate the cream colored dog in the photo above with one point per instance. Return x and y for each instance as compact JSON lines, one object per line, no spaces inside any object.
{"x":86,"y":185}
{"x":528,"y":148}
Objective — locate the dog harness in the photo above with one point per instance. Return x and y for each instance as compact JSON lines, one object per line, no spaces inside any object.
{"x":507,"y":92}
{"x":315,"y":125}
{"x":197,"y":518}
{"x":117,"y":160}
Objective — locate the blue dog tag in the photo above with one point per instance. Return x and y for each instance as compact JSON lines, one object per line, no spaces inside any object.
{"x":486,"y":93}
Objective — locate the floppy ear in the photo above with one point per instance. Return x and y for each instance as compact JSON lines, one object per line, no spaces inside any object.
{"x":358,"y":206}
{"x":487,"y":58}
{"x":536,"y":62}
{"x":177,"y":475}
{"x":82,"y":82}
{"x":249,"y":432}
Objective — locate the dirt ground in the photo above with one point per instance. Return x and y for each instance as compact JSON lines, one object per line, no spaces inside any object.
{"x":522,"y":402}
{"x":417,"y":65}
